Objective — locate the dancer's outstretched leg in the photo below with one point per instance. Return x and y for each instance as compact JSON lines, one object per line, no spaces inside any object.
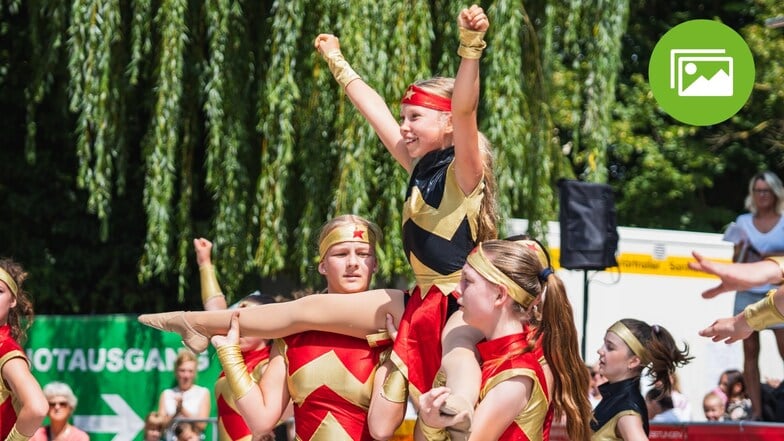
{"x":460,"y":365}
{"x":356,"y":315}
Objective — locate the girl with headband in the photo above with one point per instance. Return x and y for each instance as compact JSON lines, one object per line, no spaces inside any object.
{"x":328,"y":377}
{"x":630,"y":346}
{"x":24,"y":406}
{"x":449,"y":208}
{"x":530,"y":374}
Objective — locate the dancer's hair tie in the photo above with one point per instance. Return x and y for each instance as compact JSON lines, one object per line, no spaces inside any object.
{"x":545,"y":274}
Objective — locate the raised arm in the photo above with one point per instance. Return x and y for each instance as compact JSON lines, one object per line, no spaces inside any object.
{"x":473,"y":24}
{"x":211,"y":295}
{"x":369,"y":103}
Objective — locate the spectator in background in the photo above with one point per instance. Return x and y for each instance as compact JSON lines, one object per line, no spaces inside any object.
{"x":713,"y":406}
{"x":186,"y":399}
{"x":594,"y":396}
{"x":185,"y":431}
{"x":680,"y":402}
{"x":660,"y":407}
{"x":62,"y":403}
{"x":758,"y":234}
{"x":739,"y":405}
{"x":154,"y":426}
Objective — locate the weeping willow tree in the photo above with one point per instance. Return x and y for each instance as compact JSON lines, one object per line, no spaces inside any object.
{"x":240,"y":134}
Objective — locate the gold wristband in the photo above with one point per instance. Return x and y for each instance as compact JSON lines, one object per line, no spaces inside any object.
{"x":432,"y":433}
{"x":340,"y":68}
{"x":780,"y":262}
{"x":236,"y":372}
{"x":472,"y":44}
{"x":764,"y":313}
{"x":395,"y":386}
{"x":209,"y":283}
{"x":14,"y":435}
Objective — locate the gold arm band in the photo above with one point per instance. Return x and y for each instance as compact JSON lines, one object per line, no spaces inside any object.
{"x":209,"y":283}
{"x":780,"y":262}
{"x":379,"y":339}
{"x":395,"y":386}
{"x":472,"y":44}
{"x":236,"y":372}
{"x":340,"y":68}
{"x":433,"y":433}
{"x":14,"y":435}
{"x":5,"y":277}
{"x":764,"y":313}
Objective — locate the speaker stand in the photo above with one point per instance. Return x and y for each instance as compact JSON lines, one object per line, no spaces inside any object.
{"x":585,"y":310}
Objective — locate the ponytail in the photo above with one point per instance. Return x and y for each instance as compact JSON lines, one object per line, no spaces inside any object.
{"x":561,"y":349}
{"x":663,"y":352}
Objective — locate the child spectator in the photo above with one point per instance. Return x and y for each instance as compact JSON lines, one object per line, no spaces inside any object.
{"x":713,"y":406}
{"x":738,"y":402}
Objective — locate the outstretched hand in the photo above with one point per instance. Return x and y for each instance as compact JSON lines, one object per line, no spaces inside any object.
{"x":473,"y":19}
{"x":325,"y":43}
{"x":203,"y":248}
{"x":729,"y":330}
{"x":736,"y":276}
{"x":232,"y":337}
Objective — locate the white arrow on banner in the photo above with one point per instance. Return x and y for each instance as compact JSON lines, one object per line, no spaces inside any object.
{"x":126,"y":424}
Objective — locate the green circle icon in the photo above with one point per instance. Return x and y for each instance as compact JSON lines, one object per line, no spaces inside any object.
{"x":701,"y":72}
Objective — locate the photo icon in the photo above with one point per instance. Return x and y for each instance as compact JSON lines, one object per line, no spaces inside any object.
{"x":701,"y":72}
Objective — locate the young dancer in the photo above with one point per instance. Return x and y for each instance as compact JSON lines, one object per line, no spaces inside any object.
{"x":23,"y":405}
{"x":630,"y":346}
{"x":449,"y":208}
{"x":501,"y":292}
{"x":329,"y":377}
{"x":255,"y":350}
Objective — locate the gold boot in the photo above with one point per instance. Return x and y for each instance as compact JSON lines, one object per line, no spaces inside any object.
{"x":175,"y":322}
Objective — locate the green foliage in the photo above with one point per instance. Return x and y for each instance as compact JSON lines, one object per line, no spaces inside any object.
{"x":135,"y":125}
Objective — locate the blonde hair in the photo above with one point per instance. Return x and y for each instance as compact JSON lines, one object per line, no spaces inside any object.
{"x":488,"y":211}
{"x":184,"y":356}
{"x":775,"y":185}
{"x":557,"y":330}
{"x":374,"y":232}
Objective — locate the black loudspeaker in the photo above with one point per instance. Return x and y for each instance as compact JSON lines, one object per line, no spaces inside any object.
{"x":589,"y":235}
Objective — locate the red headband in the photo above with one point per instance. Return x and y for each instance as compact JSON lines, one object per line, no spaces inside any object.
{"x":420,"y":97}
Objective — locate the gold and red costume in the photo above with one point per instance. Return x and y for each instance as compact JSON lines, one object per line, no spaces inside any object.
{"x":9,"y":405}
{"x":330,"y":380}
{"x":440,"y":225}
{"x":508,"y":357}
{"x":231,"y":425}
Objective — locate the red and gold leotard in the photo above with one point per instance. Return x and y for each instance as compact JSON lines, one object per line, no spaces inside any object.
{"x":330,"y":379}
{"x":440,"y":225}
{"x":231,"y":425}
{"x":9,"y":405}
{"x":508,"y":357}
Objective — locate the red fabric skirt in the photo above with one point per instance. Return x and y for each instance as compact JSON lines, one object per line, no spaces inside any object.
{"x":417,"y":348}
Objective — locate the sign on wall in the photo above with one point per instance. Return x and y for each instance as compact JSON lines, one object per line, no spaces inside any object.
{"x":116,"y":367}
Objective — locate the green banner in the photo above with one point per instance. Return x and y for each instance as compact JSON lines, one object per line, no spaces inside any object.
{"x":116,"y":367}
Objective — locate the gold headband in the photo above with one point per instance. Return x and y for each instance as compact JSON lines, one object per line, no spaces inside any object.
{"x":5,"y":277}
{"x":345,"y":233}
{"x":479,"y":262}
{"x":631,"y":341}
{"x":537,"y":249}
